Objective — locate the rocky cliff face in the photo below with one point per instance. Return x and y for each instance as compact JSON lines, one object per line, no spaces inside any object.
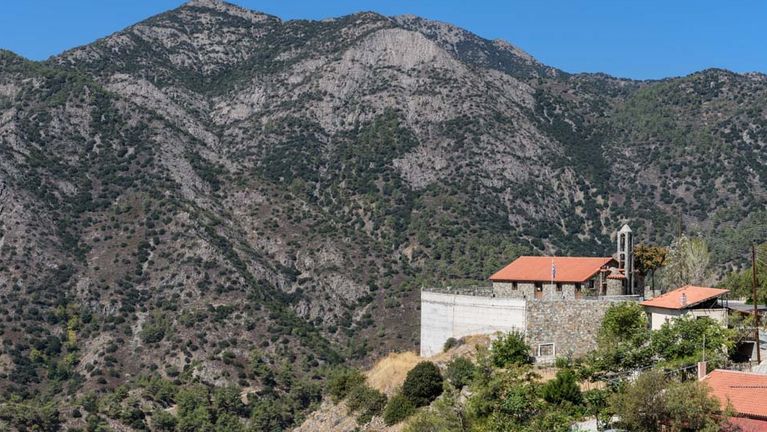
{"x":215,"y":185}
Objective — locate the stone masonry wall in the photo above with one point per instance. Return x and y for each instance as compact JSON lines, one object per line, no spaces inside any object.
{"x":526,"y":290}
{"x":506,"y":289}
{"x":615,"y":287}
{"x":571,"y":325}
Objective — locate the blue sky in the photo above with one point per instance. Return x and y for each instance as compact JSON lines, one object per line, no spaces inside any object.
{"x":637,"y":39}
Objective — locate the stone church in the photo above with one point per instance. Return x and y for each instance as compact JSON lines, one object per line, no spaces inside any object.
{"x":556,"y":302}
{"x":563,"y":278}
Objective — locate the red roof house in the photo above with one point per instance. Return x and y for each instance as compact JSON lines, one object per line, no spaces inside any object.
{"x":685,"y":297}
{"x":745,"y":393}
{"x":688,"y":300}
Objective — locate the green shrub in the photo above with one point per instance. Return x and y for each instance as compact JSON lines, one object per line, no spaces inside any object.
{"x":196,"y":420}
{"x":423,"y":384}
{"x":625,"y":321}
{"x":681,"y":341}
{"x":562,"y":362}
{"x":227,"y":400}
{"x":229,"y":423}
{"x":460,"y":372}
{"x":441,"y":417}
{"x":155,"y":328}
{"x":563,"y":388}
{"x":30,"y":417}
{"x":342,"y":381}
{"x":190,"y":398}
{"x":510,"y":349}
{"x":163,"y":421}
{"x":366,"y":401}
{"x":450,"y":343}
{"x":399,"y":408}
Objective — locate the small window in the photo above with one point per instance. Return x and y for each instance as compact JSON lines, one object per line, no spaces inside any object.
{"x":559,"y":287}
{"x":577,"y":287}
{"x":514,"y":286}
{"x":546,"y":350}
{"x":539,"y":286}
{"x":591,"y":284}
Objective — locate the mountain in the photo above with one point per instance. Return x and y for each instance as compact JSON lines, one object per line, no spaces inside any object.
{"x":218,"y":195}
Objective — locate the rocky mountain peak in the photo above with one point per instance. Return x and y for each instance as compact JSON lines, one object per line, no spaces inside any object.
{"x":213,"y":4}
{"x":228,"y":8}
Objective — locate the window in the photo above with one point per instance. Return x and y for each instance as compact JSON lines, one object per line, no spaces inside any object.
{"x":539,"y":286}
{"x":514,"y":286}
{"x":591,"y":284}
{"x":559,"y":287}
{"x":546,"y":350}
{"x":577,"y":287}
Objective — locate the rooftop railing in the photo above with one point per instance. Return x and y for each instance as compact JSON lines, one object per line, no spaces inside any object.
{"x":487,"y":291}
{"x":475,"y":290}
{"x":633,"y":297}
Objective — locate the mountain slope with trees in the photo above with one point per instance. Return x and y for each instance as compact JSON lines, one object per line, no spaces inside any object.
{"x":216,"y":195}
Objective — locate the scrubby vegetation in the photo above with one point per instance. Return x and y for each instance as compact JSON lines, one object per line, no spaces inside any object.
{"x":342,"y":381}
{"x":423,"y":384}
{"x":654,"y":401}
{"x":460,"y":371}
{"x":366,"y":401}
{"x":510,"y":349}
{"x":397,"y":409}
{"x":625,"y":343}
{"x":740,"y":283}
{"x":349,"y":385}
{"x":170,"y":228}
{"x":500,"y":390}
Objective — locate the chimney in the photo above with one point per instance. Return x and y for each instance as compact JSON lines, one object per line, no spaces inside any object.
{"x":683,"y":300}
{"x":701,"y":370}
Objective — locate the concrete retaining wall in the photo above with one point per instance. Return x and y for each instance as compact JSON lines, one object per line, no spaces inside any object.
{"x":452,"y":315}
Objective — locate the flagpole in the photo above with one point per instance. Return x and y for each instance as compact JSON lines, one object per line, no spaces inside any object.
{"x":553,"y":272}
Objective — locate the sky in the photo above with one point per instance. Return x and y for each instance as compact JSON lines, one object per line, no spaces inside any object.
{"x":642,"y":39}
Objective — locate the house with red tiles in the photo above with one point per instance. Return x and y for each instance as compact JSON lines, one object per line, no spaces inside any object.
{"x":743,"y":393}
{"x":688,"y":300}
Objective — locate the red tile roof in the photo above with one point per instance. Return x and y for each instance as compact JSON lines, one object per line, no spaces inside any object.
{"x":748,"y":425}
{"x":616,"y":276}
{"x":538,"y":269}
{"x":682,"y":298}
{"x":747,"y":392}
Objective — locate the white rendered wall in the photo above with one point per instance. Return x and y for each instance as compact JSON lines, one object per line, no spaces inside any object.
{"x":659,"y":316}
{"x":451,"y":315}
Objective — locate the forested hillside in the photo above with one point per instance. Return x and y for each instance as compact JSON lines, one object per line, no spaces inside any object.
{"x":215,"y":195}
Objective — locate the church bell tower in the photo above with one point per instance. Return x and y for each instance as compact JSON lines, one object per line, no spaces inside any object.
{"x":626,"y":256}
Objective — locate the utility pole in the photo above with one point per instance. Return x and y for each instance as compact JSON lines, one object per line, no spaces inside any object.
{"x":756,"y":303}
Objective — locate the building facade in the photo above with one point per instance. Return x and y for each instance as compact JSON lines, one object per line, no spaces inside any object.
{"x":557,"y":303}
{"x":558,"y":278}
{"x":687,"y":301}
